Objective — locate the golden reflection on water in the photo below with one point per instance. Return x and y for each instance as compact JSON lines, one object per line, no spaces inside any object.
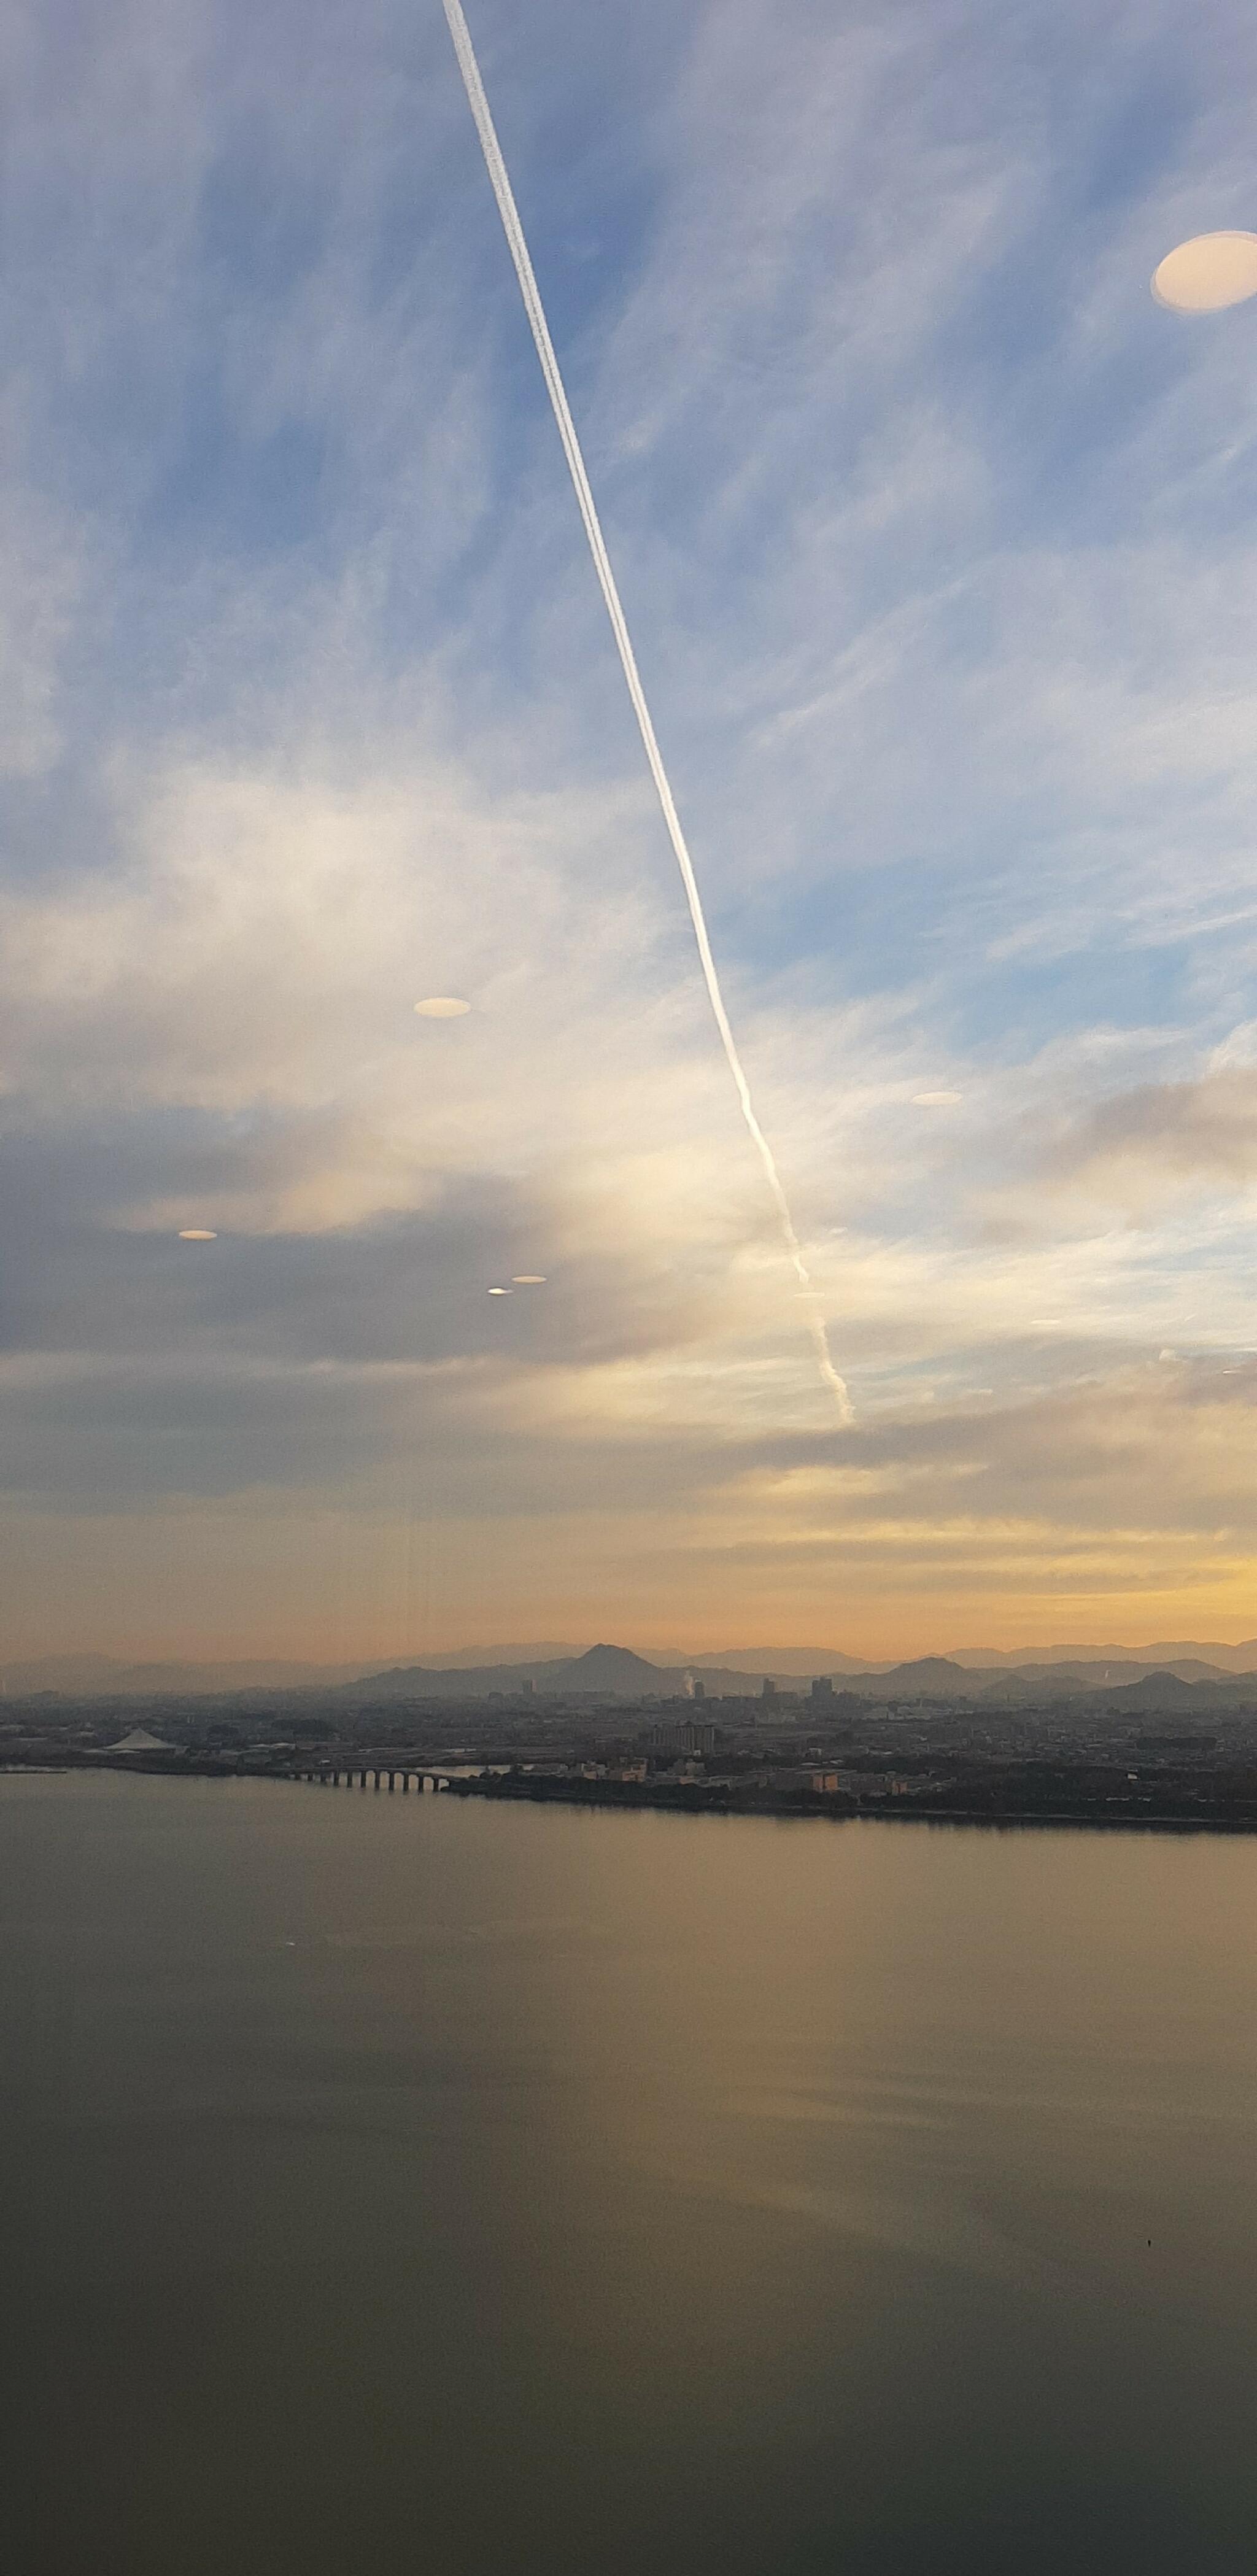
{"x":585,"y":2191}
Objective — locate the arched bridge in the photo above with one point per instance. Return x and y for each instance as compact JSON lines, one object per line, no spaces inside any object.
{"x":380,"y":1775}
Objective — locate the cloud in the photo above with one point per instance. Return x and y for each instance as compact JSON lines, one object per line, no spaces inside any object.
{"x":1136,"y":1149}
{"x":935,"y":538}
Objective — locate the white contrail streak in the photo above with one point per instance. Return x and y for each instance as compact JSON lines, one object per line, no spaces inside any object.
{"x":535,"y":310}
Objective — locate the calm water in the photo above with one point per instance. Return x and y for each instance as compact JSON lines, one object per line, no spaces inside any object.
{"x":397,"y":2185}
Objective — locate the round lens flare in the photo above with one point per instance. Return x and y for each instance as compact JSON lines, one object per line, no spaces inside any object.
{"x":196,"y":1234}
{"x":499,"y":1292}
{"x":935,"y":1099}
{"x":529,"y":1279}
{"x":1206,"y":274}
{"x":442,"y":1006}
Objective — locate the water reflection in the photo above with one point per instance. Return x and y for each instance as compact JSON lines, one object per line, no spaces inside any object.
{"x":521,"y":2189}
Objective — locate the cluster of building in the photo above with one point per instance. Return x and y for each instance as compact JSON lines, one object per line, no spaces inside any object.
{"x":1088,"y":1758}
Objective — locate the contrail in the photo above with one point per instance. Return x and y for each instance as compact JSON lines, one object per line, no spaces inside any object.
{"x":540,"y":328}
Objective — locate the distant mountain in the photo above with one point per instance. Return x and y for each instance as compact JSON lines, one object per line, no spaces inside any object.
{"x":619,"y":1672}
{"x":782,"y":1663}
{"x":605,"y":1672}
{"x":610,"y":1668}
{"x":803,"y":1662}
{"x":928,"y":1677}
{"x":610,"y":1671}
{"x":616,"y":1673}
{"x":464,"y":1658}
{"x":1233,"y":1659}
{"x":1026,"y":1682}
{"x":103,"y":1677}
{"x":1165,"y":1690}
{"x":1161,"y":1656}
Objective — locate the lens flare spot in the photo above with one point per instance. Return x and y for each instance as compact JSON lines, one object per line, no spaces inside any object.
{"x":499,"y":1292}
{"x":442,"y":1006}
{"x":529,"y":1279}
{"x":196,"y":1234}
{"x":1207,"y":273}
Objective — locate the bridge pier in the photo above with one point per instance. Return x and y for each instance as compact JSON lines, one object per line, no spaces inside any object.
{"x":333,"y":1774}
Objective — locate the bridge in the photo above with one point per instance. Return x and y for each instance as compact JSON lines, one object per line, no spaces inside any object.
{"x":381,"y":1775}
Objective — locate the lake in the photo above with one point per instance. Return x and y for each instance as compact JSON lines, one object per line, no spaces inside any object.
{"x":417,"y":2184}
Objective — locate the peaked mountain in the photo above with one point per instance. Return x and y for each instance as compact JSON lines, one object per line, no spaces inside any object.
{"x":609,"y":1668}
{"x":1165,"y":1690}
{"x":611,"y":1672}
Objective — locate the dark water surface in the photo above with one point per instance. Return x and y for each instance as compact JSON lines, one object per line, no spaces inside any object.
{"x":422,"y":2185}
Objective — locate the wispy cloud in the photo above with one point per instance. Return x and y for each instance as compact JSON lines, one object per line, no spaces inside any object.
{"x":936,"y":536}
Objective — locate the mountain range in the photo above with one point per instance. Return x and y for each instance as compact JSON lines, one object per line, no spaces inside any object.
{"x":618,"y":1672}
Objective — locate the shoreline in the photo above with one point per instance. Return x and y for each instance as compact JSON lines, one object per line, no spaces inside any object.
{"x":680,"y":1799}
{"x":828,"y":1810}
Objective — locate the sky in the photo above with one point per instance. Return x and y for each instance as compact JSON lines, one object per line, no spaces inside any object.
{"x":936,"y":536}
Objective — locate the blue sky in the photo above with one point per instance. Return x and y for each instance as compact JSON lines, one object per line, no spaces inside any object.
{"x":936,"y":537}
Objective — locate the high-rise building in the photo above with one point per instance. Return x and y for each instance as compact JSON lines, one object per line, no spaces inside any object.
{"x":687,"y":1735}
